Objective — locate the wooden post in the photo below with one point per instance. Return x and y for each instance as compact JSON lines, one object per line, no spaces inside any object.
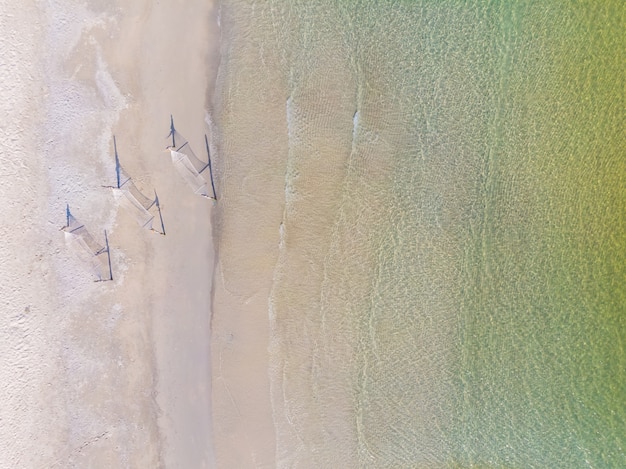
{"x":117,"y":162}
{"x":106,"y":240}
{"x":172,"y":131}
{"x":208,"y":152}
{"x":156,"y":200}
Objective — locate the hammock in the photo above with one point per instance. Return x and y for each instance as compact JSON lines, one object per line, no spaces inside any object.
{"x":127,"y":193}
{"x":189,"y":166}
{"x":94,"y":255}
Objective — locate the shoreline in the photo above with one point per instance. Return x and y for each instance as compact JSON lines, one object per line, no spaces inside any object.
{"x":380,"y":283}
{"x":244,"y":429}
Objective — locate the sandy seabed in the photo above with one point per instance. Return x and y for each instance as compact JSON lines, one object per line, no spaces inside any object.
{"x":117,"y":373}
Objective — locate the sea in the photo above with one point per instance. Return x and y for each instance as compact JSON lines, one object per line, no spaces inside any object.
{"x":445,"y":186}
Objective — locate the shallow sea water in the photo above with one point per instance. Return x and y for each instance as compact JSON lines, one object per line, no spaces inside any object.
{"x":445,"y":184}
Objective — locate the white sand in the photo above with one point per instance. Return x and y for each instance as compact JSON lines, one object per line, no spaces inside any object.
{"x":111,"y":374}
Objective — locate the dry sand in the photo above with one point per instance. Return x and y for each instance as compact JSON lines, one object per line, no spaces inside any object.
{"x":110,"y":374}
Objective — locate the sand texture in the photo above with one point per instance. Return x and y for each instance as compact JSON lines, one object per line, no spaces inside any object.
{"x":117,"y":373}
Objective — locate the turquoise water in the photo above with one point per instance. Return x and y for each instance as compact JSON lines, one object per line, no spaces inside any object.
{"x":444,"y":183}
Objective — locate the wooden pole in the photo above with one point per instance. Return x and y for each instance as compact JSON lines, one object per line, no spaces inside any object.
{"x":172,"y":130}
{"x":156,"y":200}
{"x":117,"y":162}
{"x":208,"y":152}
{"x":106,"y":240}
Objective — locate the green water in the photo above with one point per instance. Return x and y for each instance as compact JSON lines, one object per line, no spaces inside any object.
{"x":449,"y":179}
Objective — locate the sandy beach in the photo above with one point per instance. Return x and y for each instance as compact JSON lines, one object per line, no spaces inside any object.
{"x":413,"y":259}
{"x":117,"y":373}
